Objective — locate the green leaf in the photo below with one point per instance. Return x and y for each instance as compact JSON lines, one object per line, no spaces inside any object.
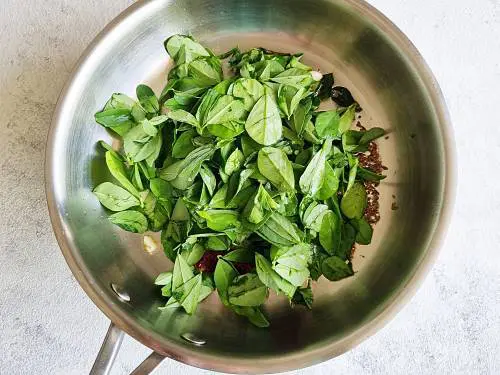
{"x":247,"y":290}
{"x":147,"y":99}
{"x":208,"y":178}
{"x":117,"y":169}
{"x":330,"y":183}
{"x":297,"y":256}
{"x":205,"y":71}
{"x":274,"y":165}
{"x":234,"y":162}
{"x":188,"y":294}
{"x":271,"y":278}
{"x":365,"y":231}
{"x":114,"y":197}
{"x":118,"y":119}
{"x":181,"y":174}
{"x":162,"y":190}
{"x":183,"y":49}
{"x":289,"y":98}
{"x":279,"y":231}
{"x":193,"y":254}
{"x":294,"y":76}
{"x":330,"y":232}
{"x":218,"y":243}
{"x":264,"y":123}
{"x":227,"y":130}
{"x":220,"y":220}
{"x":371,"y":135}
{"x":312,"y":179}
{"x":118,"y":100}
{"x":265,"y":70}
{"x":249,"y":90}
{"x":240,"y":256}
{"x":348,"y":238}
{"x":304,"y":296}
{"x":353,"y":202}
{"x":225,"y":109}
{"x":181,"y":115}
{"x":327,"y":124}
{"x":182,"y":272}
{"x":224,"y":275}
{"x":249,"y":146}
{"x":184,"y":144}
{"x":347,"y":118}
{"x":164,"y":278}
{"x":131,"y":221}
{"x":259,"y":206}
{"x":302,"y":116}
{"x":335,"y":269}
{"x":155,"y":212}
{"x":313,"y":216}
{"x":368,"y":175}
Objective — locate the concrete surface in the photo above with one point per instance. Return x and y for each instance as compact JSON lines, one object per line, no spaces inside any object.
{"x":451,"y":326}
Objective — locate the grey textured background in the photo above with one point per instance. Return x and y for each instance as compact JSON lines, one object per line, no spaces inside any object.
{"x":452,"y":325}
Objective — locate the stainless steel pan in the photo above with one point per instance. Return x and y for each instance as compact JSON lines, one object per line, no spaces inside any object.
{"x":367,"y":53}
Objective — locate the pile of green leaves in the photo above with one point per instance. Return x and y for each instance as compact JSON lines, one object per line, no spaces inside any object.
{"x":245,"y":166}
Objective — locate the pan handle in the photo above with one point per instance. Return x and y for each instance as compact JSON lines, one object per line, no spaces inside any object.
{"x":109,"y":350}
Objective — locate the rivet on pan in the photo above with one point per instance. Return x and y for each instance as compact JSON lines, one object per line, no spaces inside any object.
{"x":193,"y":339}
{"x":123,"y":295}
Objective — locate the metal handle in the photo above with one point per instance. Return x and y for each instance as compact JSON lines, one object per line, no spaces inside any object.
{"x":109,"y":350}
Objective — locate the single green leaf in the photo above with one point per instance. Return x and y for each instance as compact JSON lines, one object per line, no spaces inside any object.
{"x":271,"y":278}
{"x":114,"y":197}
{"x":365,"y":231}
{"x":118,"y":119}
{"x":208,"y":178}
{"x":312,"y":179}
{"x":347,"y":118}
{"x":241,"y":255}
{"x":313,"y":216}
{"x":327,"y":124}
{"x":353,"y":202}
{"x":147,"y":99}
{"x":247,"y":290}
{"x":181,"y":115}
{"x":193,"y":254}
{"x":368,"y":175}
{"x":224,"y":275}
{"x":302,"y":116}
{"x":227,"y":130}
{"x":220,"y":220}
{"x":347,"y":241}
{"x":264,"y":123}
{"x":294,"y":76}
{"x":330,"y":232}
{"x":371,"y":135}
{"x":117,"y":169}
{"x":298,"y":256}
{"x":218,"y":243}
{"x":164,"y":278}
{"x":155,"y":212}
{"x":234,"y":162}
{"x":335,"y":269}
{"x":274,"y":165}
{"x":330,"y":183}
{"x":118,"y":100}
{"x":278,"y":230}
{"x":184,"y":144}
{"x":182,"y":272}
{"x":131,"y":221}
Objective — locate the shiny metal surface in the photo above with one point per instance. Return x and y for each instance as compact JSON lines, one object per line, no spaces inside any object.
{"x":367,"y":53}
{"x":108,"y":351}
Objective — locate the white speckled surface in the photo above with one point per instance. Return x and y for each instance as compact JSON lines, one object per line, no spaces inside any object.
{"x":452,"y":325}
